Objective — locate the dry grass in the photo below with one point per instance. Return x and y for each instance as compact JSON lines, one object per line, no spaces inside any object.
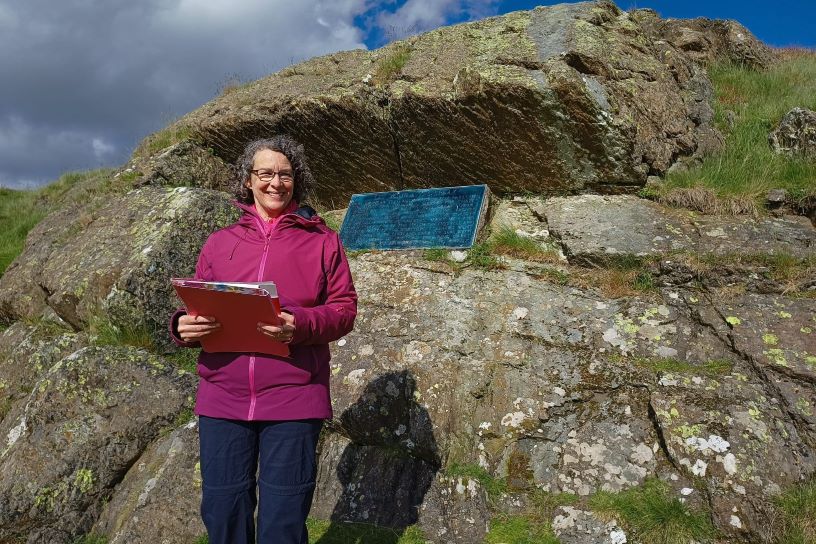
{"x":705,"y":200}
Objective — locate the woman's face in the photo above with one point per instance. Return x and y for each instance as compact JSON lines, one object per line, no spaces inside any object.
{"x":271,"y":182}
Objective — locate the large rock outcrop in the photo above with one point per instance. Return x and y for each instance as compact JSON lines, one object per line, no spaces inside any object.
{"x":111,"y":262}
{"x":564,"y":97}
{"x":647,"y":346}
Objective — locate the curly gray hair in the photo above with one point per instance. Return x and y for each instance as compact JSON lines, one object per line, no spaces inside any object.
{"x":281,"y":143}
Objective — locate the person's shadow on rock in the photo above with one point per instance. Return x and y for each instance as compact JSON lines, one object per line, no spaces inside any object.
{"x":388,"y":465}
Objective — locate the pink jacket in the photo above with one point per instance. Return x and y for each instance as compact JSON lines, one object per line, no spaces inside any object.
{"x":306,"y":261}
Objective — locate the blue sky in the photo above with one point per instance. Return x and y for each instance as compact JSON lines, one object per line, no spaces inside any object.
{"x":85,"y":80}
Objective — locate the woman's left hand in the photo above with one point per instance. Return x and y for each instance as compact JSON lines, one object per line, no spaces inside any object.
{"x":282,"y":332}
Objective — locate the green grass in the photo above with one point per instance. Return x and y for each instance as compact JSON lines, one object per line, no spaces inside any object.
{"x":19,"y":213}
{"x":185,"y":359}
{"x":797,"y":515}
{"x":651,"y":515}
{"x":105,"y":333}
{"x":492,"y":485}
{"x":163,"y":139}
{"x":508,"y":242}
{"x":326,"y":532}
{"x":390,"y":66}
{"x":747,"y":167}
{"x":436,"y":254}
{"x":519,"y":529}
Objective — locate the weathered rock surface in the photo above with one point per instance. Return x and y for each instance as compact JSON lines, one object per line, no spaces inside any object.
{"x":551,"y":387}
{"x":114,"y":262}
{"x":709,"y":40}
{"x":594,"y":229}
{"x":84,"y":424}
{"x":795,"y":134}
{"x":559,"y":98}
{"x":184,"y":164}
{"x":159,"y":498}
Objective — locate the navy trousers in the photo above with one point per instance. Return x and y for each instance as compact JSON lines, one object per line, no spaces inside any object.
{"x":282,"y":454}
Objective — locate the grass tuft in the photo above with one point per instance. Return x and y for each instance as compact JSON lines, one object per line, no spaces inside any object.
{"x":508,"y":242}
{"x":185,"y":358}
{"x":797,"y":515}
{"x":105,"y":333}
{"x":650,"y":515}
{"x":492,"y":485}
{"x":19,"y":213}
{"x":390,"y":66}
{"x":739,"y":176}
{"x":519,"y":529}
{"x":327,"y":532}
{"x":163,"y":139}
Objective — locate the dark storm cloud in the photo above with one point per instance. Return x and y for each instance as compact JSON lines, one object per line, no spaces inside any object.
{"x":83,"y":81}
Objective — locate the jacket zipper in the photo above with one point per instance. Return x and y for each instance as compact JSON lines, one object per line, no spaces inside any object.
{"x":253,"y":396}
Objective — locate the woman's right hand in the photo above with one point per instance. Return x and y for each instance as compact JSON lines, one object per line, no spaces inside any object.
{"x":193,"y":328}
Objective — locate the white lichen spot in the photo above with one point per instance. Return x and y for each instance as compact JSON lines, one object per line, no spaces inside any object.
{"x":513,"y":419}
{"x":485,"y":425}
{"x":367,"y":350}
{"x":729,"y":463}
{"x":714,"y":443}
{"x":686,"y":491}
{"x":559,"y":391}
{"x":341,"y":342}
{"x":617,"y":537}
{"x":355,"y":377}
{"x":667,"y":381}
{"x":699,"y":467}
{"x":736,"y":522}
{"x":642,"y":454}
{"x":520,"y":312}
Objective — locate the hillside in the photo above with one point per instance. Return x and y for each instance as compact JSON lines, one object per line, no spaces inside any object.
{"x":613,"y":359}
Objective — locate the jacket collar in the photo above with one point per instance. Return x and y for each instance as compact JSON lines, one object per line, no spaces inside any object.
{"x":303,"y":216}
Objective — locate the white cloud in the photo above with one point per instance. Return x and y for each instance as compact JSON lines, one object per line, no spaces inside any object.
{"x":416,"y":16}
{"x":90,"y":79}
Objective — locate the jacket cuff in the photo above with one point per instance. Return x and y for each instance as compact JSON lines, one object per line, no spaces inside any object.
{"x":301,"y":324}
{"x":174,"y":334}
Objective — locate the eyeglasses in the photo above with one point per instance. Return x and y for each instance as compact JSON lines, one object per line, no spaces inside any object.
{"x":268,"y":175}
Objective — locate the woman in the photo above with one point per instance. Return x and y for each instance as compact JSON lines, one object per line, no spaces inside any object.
{"x":261,"y":411}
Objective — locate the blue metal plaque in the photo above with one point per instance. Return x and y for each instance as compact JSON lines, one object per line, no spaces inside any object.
{"x":447,"y":217}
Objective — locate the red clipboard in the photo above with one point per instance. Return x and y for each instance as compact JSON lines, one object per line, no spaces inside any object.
{"x":238,"y":311}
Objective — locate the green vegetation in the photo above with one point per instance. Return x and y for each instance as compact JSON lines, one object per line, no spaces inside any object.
{"x":481,"y":256}
{"x":650,"y":515}
{"x":436,"y":254}
{"x":796,"y":522}
{"x":746,"y":168}
{"x":19,"y":213}
{"x":164,"y":138}
{"x":492,"y":485}
{"x":105,"y":333}
{"x":518,"y":529}
{"x":625,"y":275}
{"x":185,"y":359}
{"x":508,"y":242}
{"x":360,"y":533}
{"x":390,"y":66}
